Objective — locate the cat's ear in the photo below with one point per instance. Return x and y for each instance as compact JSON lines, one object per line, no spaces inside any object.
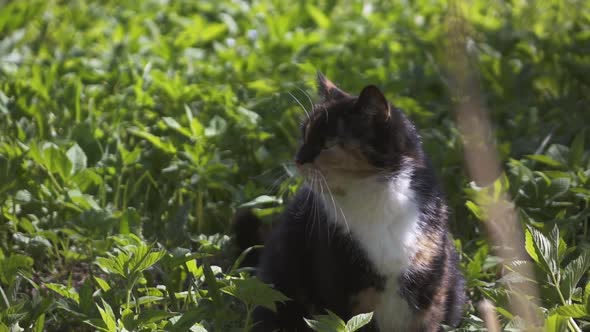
{"x":372,"y":101}
{"x":328,"y":90}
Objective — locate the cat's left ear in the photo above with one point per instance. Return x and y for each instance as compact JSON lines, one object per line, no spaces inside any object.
{"x":372,"y":101}
{"x":328,"y":90}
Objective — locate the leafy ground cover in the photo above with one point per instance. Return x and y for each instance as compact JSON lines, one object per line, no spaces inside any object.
{"x":130,"y":131}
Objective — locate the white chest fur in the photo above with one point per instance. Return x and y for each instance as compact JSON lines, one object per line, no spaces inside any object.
{"x":383,"y":218}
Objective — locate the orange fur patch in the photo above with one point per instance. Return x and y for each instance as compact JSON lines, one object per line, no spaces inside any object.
{"x":427,"y":249}
{"x":345,"y":159}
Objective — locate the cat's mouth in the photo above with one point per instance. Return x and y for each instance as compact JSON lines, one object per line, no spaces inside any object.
{"x":330,"y":179}
{"x":334,"y":172}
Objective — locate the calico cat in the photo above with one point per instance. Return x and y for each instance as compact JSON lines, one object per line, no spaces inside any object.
{"x":368,"y":231}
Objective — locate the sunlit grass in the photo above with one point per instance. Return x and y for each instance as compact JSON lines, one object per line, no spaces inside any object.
{"x":130,"y":132}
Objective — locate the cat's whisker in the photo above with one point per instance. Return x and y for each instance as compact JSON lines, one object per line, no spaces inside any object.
{"x":280,"y":174}
{"x":317,"y":207}
{"x":300,"y":104}
{"x":317,"y":202}
{"x":322,"y":178}
{"x":308,"y":97}
{"x":308,"y":192}
{"x":271,"y":172}
{"x":275,"y":184}
{"x":312,"y":184}
{"x":287,"y":170}
{"x":307,"y":202}
{"x":320,"y":201}
{"x":273,"y":180}
{"x":320,"y":204}
{"x":334,"y":202}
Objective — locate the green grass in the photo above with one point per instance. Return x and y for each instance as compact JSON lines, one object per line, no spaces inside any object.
{"x":130,"y":131}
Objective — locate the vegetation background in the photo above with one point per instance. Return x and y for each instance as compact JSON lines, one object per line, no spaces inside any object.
{"x":130,"y":131}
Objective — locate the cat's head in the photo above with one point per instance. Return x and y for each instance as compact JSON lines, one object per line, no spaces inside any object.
{"x":355,"y":137}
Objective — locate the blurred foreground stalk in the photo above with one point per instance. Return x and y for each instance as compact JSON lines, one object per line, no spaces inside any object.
{"x":484,"y":167}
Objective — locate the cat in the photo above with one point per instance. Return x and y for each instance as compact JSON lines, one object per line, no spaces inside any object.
{"x":367,"y":232}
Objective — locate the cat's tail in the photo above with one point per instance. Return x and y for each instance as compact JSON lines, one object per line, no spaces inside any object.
{"x":249,"y":232}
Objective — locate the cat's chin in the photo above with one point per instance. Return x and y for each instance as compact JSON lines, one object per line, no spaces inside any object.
{"x":342,"y":183}
{"x":351,"y":172}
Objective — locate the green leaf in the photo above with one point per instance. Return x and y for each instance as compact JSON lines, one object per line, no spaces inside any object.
{"x":573,"y":310}
{"x":39,"y":325}
{"x":68,"y":292}
{"x":252,"y":291}
{"x":111,"y":265}
{"x":576,"y":152}
{"x":558,"y":188}
{"x":529,"y":245}
{"x":559,"y":153}
{"x":251,"y":117}
{"x":129,"y":157}
{"x":77,"y":158}
{"x":318,"y":16}
{"x":130,"y":222}
{"x":84,"y":201}
{"x":187,"y":320}
{"x":237,"y":262}
{"x":140,"y":258}
{"x":152,"y":316}
{"x":573,"y":272}
{"x":86,"y":178}
{"x":173,"y":124}
{"x":102,"y":284}
{"x":477,"y":211}
{"x":265,"y":86}
{"x":327,"y":323}
{"x":108,"y":317}
{"x":86,"y":297}
{"x":149,"y":260}
{"x":128,"y":319}
{"x":217,"y":126}
{"x":545,"y":160}
{"x":544,"y":249}
{"x":212,"y":285}
{"x":56,"y":161}
{"x":555,"y":323}
{"x":212,"y":31}
{"x":358,"y":321}
{"x":154,"y":140}
{"x":11,"y":266}
{"x":194,"y":269}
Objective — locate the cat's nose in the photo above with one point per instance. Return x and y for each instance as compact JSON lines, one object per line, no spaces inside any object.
{"x":305,"y":155}
{"x":299,"y":166}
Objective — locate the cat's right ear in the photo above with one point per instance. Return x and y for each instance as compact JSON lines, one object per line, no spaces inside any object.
{"x":329,"y":91}
{"x":373,"y":102}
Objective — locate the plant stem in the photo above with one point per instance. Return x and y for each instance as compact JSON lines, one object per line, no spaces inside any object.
{"x":248,"y":314}
{"x":128,"y":297}
{"x":586,"y":221}
{"x":572,"y":325}
{"x":54,"y":181}
{"x":199,"y":215}
{"x":4,"y":297}
{"x":570,"y":322}
{"x":117,"y":192}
